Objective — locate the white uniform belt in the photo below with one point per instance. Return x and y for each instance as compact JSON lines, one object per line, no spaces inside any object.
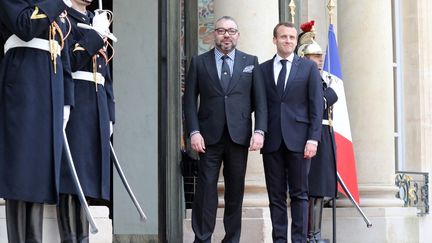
{"x":89,"y":76}
{"x":326,"y":122}
{"x":14,"y":41}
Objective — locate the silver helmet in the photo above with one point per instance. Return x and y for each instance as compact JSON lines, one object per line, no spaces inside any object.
{"x":311,"y":48}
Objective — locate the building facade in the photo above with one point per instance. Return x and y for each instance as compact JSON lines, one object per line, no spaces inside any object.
{"x":386,"y":65}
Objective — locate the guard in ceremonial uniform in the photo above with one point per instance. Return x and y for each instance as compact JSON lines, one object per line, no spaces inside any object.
{"x":90,"y":125}
{"x":322,"y":174}
{"x":36,"y":93}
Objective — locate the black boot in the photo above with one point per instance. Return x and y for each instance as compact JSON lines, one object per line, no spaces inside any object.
{"x":24,"y":221}
{"x":71,"y":219}
{"x":314,"y":222}
{"x":82,"y":224}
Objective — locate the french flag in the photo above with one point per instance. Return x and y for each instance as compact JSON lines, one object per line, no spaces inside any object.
{"x":346,"y":165}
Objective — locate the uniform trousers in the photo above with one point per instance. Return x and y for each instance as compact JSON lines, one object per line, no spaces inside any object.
{"x":24,"y":221}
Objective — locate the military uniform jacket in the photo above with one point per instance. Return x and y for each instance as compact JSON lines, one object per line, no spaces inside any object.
{"x":88,"y":127}
{"x":32,"y":96}
{"x":322,"y":174}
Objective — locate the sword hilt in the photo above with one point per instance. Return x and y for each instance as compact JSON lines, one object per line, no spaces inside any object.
{"x":89,"y":27}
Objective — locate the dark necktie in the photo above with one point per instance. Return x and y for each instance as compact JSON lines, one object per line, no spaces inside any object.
{"x":280,"y":86}
{"x":225,"y":73}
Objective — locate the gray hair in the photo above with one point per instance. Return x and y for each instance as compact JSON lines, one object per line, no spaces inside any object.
{"x":227,"y":18}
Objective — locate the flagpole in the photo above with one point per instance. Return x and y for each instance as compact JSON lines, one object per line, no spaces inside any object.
{"x":330,"y":6}
{"x":331,"y":11}
{"x":351,"y":198}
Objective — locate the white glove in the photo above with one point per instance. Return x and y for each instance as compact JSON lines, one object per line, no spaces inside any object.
{"x":101,"y":23}
{"x":68,"y":3}
{"x":66,"y":114}
{"x":111,"y":127}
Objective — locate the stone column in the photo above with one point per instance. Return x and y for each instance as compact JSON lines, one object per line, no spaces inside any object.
{"x":364,"y":32}
{"x":417,"y":63}
{"x":365,"y":48}
{"x":255,"y":20}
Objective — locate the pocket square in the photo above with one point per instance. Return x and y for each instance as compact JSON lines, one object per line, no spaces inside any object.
{"x":248,"y":69}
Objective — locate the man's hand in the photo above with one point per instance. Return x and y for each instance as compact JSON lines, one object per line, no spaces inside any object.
{"x":310,"y":150}
{"x":101,"y":23}
{"x":257,"y":141}
{"x":197,"y":143}
{"x":111,"y":128}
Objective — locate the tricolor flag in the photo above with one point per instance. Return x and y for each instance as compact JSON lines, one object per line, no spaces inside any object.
{"x":346,"y":166}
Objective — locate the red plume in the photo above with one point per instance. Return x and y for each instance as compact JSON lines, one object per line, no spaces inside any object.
{"x":306,"y":27}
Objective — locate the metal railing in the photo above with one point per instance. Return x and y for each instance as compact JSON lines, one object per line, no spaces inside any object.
{"x":414,"y":190}
{"x":189,"y":166}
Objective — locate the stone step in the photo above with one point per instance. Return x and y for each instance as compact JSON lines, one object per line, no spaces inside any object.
{"x":50,"y":230}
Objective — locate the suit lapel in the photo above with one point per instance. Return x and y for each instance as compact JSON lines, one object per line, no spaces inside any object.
{"x":270,"y":73}
{"x":239,"y":64}
{"x":292,"y":74}
{"x":210,"y":65}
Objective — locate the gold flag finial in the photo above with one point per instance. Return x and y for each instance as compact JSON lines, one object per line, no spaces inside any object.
{"x":331,"y":6}
{"x":292,"y":7}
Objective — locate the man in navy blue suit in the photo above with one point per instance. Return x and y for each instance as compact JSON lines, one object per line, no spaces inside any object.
{"x":295,"y":108}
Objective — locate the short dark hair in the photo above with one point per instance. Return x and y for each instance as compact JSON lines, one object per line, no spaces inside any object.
{"x":286,"y":24}
{"x":227,"y":18}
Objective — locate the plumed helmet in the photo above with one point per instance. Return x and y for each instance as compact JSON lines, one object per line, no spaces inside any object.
{"x":306,"y":40}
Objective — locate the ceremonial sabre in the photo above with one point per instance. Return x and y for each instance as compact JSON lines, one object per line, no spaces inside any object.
{"x":89,"y":27}
{"x":341,"y":182}
{"x":93,"y":227}
{"x":143,"y":217}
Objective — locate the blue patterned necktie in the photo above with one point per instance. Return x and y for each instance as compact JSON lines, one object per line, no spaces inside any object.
{"x":225,"y":72}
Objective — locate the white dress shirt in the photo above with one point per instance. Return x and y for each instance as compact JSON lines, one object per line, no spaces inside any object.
{"x":277,"y":66}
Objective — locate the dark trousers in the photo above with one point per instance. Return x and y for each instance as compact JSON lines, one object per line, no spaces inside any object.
{"x":285,"y":168}
{"x":24,"y":221}
{"x":71,"y":220}
{"x":234,"y":157}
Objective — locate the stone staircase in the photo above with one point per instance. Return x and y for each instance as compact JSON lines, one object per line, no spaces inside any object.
{"x":50,"y":230}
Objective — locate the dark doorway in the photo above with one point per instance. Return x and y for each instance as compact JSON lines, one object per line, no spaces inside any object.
{"x":107,"y":4}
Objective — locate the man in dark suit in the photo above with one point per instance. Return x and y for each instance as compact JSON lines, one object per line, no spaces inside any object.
{"x":295,"y":106}
{"x":230,"y":87}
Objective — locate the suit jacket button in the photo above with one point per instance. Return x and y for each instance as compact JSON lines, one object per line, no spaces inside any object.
{"x":226,"y":97}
